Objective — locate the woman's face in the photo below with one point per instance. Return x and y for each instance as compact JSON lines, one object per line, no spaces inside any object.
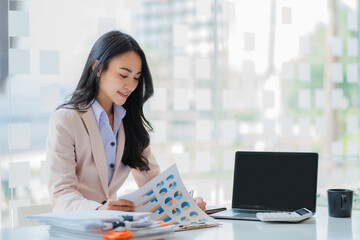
{"x":120,"y":79}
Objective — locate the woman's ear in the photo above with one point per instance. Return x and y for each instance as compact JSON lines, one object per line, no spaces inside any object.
{"x":93,"y":68}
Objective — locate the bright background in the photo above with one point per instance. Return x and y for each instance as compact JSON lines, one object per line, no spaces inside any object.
{"x":229,"y":75}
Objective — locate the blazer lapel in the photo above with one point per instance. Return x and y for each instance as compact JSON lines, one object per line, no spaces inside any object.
{"x":97,"y":148}
{"x":119,"y":153}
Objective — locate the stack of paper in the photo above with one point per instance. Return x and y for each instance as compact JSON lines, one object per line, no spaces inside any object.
{"x":102,"y":223}
{"x":162,"y":206}
{"x":167,"y":199}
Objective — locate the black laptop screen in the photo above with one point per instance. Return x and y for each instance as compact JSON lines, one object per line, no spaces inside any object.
{"x":275,"y":180}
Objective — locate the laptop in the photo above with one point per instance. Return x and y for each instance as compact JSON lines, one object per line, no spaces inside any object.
{"x":272,"y":182}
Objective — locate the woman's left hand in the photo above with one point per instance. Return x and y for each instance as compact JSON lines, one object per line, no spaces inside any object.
{"x":200,"y":202}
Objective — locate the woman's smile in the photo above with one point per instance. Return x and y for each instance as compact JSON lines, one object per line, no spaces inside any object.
{"x":124,"y":95}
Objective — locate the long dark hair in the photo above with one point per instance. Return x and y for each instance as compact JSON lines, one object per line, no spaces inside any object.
{"x":136,"y":126}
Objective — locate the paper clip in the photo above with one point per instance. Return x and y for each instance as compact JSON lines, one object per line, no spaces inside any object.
{"x":191,"y":193}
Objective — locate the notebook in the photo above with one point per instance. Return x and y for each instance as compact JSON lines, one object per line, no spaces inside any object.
{"x":272,"y":181}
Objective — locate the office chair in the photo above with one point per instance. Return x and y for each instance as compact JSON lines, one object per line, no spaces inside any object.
{"x":31,"y":210}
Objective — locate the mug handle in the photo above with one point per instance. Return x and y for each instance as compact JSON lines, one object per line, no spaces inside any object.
{"x":343,"y":201}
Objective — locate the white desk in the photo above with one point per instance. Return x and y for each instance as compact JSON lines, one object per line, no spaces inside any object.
{"x":318,"y":227}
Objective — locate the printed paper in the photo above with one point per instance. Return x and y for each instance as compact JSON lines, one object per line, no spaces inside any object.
{"x":167,"y":199}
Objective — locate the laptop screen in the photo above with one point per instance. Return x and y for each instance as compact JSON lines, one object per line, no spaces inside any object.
{"x":275,"y":180}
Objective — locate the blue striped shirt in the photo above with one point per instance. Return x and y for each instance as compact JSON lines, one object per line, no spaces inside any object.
{"x":109,"y":135}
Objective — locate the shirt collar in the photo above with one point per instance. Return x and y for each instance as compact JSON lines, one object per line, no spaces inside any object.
{"x":119,"y":113}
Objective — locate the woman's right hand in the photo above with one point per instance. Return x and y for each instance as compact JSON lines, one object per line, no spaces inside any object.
{"x":119,"y":205}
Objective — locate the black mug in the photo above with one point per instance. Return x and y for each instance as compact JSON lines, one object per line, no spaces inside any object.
{"x":340,"y":202}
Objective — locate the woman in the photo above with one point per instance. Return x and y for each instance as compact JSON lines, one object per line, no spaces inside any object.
{"x":101,"y":134}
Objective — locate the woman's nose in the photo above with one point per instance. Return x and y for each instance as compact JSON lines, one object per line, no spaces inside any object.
{"x":131,"y":84}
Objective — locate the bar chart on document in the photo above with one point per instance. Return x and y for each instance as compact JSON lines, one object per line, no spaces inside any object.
{"x":167,"y":199}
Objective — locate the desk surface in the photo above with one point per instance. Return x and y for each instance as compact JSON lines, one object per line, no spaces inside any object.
{"x":321,"y":226}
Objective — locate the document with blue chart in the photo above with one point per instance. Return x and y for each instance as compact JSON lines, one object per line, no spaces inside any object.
{"x":166,"y":197}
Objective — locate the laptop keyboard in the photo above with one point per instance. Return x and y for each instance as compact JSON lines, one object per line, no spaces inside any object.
{"x":249,"y":211}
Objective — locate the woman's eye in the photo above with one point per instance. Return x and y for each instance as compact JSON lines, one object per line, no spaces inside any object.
{"x":124,"y":76}
{"x":137,"y":79}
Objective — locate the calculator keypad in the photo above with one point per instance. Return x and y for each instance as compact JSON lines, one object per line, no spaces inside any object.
{"x":282,"y":216}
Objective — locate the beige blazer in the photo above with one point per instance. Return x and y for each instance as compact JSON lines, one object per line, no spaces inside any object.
{"x":78,"y":172}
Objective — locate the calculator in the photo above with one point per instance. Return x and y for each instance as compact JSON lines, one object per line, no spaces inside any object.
{"x":295,"y":216}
